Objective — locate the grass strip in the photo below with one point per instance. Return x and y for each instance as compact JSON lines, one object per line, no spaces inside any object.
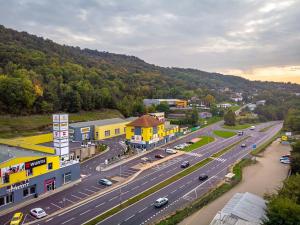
{"x":262,"y":147}
{"x":204,"y":141}
{"x":266,"y":128}
{"x":154,"y":189}
{"x":181,"y":214}
{"x":238,"y":127}
{"x":224,"y":133}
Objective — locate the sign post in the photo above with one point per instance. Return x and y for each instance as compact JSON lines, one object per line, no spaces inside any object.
{"x":61,"y":134}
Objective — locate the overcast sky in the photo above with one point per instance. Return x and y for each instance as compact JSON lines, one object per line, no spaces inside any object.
{"x":252,"y":38}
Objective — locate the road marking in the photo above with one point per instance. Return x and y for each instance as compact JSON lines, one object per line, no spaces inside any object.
{"x":100,"y":204}
{"x":153,"y":178}
{"x":69,"y":200}
{"x":84,"y":212}
{"x":129,"y":218}
{"x":143,"y":209}
{"x":89,"y":190}
{"x":182,"y":186}
{"x":125,"y":192}
{"x":144,"y":183}
{"x":75,"y":196}
{"x":68,"y":220}
{"x":55,"y":205}
{"x":96,"y":187}
{"x":173,"y":191}
{"x":135,"y":187}
{"x":112,"y":198}
{"x":82,"y":193}
{"x":49,"y":219}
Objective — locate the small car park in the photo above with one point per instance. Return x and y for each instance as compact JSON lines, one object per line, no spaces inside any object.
{"x":16,"y":219}
{"x":203,"y":177}
{"x":160,"y":202}
{"x":105,"y":182}
{"x":38,"y":213}
{"x":185,"y":164}
{"x":159,"y":156}
{"x":170,"y":151}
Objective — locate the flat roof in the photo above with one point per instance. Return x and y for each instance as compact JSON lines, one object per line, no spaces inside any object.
{"x":8,"y":152}
{"x":101,"y":122}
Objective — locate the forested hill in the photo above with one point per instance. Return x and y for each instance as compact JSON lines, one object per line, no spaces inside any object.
{"x":40,"y":76}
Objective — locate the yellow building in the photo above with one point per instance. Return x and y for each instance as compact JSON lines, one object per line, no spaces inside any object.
{"x":181,"y":103}
{"x":147,"y":132}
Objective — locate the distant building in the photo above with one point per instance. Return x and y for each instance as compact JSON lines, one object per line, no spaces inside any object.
{"x":205,"y":115}
{"x":242,"y":209}
{"x":147,"y":132}
{"x":261,"y":102}
{"x":251,"y":107}
{"x":159,"y":115}
{"x":237,"y":97}
{"x":224,"y":105}
{"x":178,"y":103}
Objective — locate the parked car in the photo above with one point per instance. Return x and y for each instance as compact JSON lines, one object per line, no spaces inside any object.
{"x":170,"y":151}
{"x":38,"y":213}
{"x":203,"y":177}
{"x":240,"y":133}
{"x":179,"y":147}
{"x":160,"y":202}
{"x":252,"y":128}
{"x":159,"y":156}
{"x":185,"y":164}
{"x":17,"y":219}
{"x":244,"y":145}
{"x":105,"y":182}
{"x":285,"y":161}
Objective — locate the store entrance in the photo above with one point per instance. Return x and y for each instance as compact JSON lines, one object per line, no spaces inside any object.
{"x":49,"y":184}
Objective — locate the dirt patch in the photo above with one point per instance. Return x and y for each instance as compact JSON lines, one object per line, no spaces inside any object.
{"x":265,"y":176}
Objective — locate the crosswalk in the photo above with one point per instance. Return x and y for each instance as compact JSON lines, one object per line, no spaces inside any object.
{"x":166,"y":164}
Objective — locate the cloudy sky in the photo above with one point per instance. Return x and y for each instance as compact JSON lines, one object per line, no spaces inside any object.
{"x":256,"y":39}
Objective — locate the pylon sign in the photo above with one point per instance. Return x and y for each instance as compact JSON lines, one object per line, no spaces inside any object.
{"x":61,"y":134}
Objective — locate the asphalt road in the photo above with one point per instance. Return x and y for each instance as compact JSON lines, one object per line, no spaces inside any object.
{"x":143,"y":212}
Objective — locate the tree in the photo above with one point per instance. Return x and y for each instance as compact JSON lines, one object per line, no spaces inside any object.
{"x":295,"y":157}
{"x":163,"y":107}
{"x":209,"y":100}
{"x":229,"y":118}
{"x":194,"y":117}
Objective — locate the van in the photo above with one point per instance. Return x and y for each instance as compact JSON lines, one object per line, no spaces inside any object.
{"x":170,"y":151}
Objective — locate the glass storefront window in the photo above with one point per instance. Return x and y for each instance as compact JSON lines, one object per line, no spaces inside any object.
{"x":4,"y":200}
{"x":67,"y":177}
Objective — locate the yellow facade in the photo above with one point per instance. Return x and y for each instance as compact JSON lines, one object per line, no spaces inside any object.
{"x":109,"y":131}
{"x":181,"y":103}
{"x":22,"y":175}
{"x":147,"y":133}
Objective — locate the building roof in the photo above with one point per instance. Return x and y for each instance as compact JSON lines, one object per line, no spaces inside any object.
{"x":242,"y":208}
{"x":8,"y":152}
{"x":101,"y":122}
{"x":145,"y":121}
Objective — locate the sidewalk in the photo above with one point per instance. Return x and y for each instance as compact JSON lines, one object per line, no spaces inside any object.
{"x":265,"y":176}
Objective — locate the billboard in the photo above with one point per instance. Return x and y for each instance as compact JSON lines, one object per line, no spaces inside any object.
{"x":61,"y":134}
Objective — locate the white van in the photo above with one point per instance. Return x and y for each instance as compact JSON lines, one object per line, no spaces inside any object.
{"x":170,"y":151}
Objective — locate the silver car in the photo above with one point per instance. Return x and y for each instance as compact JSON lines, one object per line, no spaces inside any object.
{"x":160,"y":202}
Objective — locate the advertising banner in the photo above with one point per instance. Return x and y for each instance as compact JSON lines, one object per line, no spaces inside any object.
{"x":35,"y":163}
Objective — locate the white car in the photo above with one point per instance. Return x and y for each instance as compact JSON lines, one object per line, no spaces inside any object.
{"x":179,"y":147}
{"x":38,"y":213}
{"x":170,"y":151}
{"x":252,"y":128}
{"x":160,"y":202}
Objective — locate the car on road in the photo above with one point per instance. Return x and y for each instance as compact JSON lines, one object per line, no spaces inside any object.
{"x":252,"y":128}
{"x":161,"y":202}
{"x":105,"y":182}
{"x":240,"y":133}
{"x":285,"y":161}
{"x":244,"y":145}
{"x":159,"y":156}
{"x":185,"y":164}
{"x":203,"y":177}
{"x":17,"y":219}
{"x":284,"y":157}
{"x":179,"y":147}
{"x":170,"y":151}
{"x":38,"y":213}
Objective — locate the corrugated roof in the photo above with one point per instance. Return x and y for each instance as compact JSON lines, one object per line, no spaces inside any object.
{"x":145,"y":121}
{"x":101,"y":122}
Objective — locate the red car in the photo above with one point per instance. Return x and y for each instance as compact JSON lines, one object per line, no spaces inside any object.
{"x":159,"y":156}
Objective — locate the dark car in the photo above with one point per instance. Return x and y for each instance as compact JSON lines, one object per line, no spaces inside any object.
{"x":159,"y":156}
{"x":203,"y":177}
{"x":185,"y":164}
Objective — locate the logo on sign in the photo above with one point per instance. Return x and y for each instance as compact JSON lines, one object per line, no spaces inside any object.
{"x":34,"y":163}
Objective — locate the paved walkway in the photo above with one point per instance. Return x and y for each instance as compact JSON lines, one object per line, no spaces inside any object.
{"x":265,"y":176}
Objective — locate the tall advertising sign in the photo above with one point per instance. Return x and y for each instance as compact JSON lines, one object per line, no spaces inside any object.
{"x":61,"y":134}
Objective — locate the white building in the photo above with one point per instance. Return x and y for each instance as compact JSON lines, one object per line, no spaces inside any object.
{"x":224,"y":105}
{"x":242,"y":209}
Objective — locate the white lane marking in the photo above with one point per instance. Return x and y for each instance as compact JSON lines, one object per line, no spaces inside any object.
{"x":82,"y":193}
{"x":125,"y":192}
{"x":100,"y":204}
{"x":69,"y":200}
{"x":182,"y":186}
{"x":144,"y":183}
{"x":49,"y":219}
{"x":68,"y":220}
{"x":24,"y":218}
{"x":112,"y":198}
{"x":55,"y":205}
{"x":135,"y":187}
{"x":173,"y":191}
{"x":129,"y":218}
{"x":75,"y":196}
{"x":96,"y":187}
{"x":84,"y":212}
{"x":153,"y":178}
{"x":89,"y":190}
{"x":143,"y":209}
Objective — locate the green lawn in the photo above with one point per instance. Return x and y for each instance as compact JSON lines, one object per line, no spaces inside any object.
{"x":14,"y":126}
{"x":235,"y":108}
{"x":238,"y":127}
{"x":224,"y":134}
{"x":209,"y":121}
{"x":204,"y":140}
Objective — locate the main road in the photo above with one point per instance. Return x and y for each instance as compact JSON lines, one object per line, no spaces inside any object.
{"x":178,"y":192}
